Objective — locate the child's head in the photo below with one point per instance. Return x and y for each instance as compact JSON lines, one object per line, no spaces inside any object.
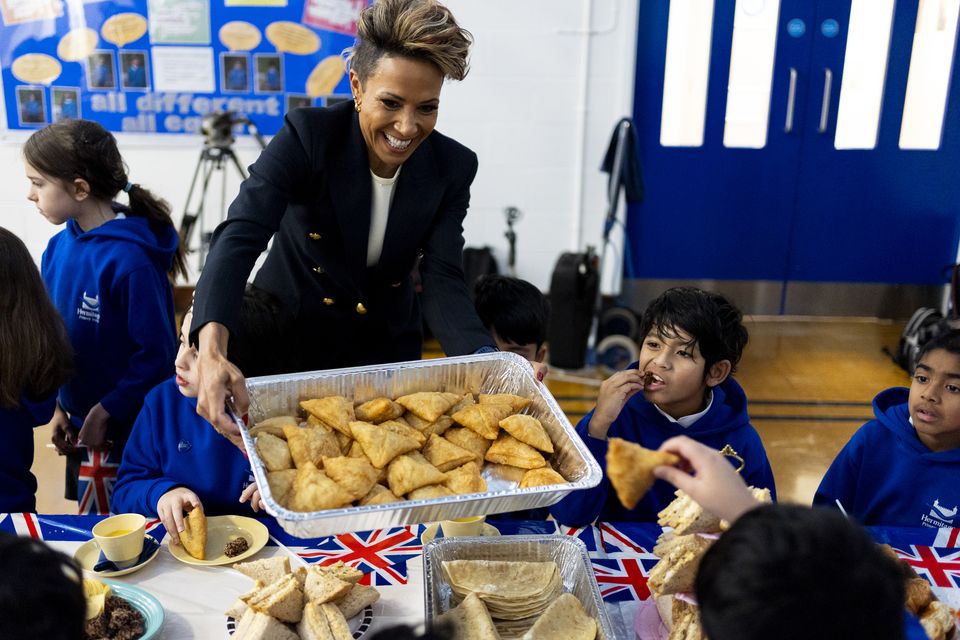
{"x":935,"y":392}
{"x":41,"y":593}
{"x":73,"y":161}
{"x":792,"y":572}
{"x":515,"y":312}
{"x":35,"y":352}
{"x":188,"y":376}
{"x":691,"y":340}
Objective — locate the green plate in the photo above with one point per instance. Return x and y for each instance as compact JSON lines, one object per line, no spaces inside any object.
{"x":143,"y":602}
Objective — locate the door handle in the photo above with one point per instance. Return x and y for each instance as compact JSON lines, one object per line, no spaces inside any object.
{"x":825,"y":105}
{"x":791,"y":99}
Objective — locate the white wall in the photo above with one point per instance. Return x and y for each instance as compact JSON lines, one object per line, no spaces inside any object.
{"x":548,"y":82}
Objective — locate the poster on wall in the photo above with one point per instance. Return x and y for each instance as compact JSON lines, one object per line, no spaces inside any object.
{"x":160,"y":66}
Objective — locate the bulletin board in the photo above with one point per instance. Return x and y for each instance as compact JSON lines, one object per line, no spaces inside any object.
{"x":159,"y":66}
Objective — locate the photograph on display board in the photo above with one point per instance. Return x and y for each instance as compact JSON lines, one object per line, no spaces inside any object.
{"x":31,"y":105}
{"x":134,"y":74}
{"x":295,"y":101}
{"x":66,"y":103}
{"x":100,"y":71}
{"x":234,"y":73}
{"x":269,"y":73}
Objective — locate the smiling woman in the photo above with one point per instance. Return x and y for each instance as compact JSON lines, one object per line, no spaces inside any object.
{"x":354,"y":195}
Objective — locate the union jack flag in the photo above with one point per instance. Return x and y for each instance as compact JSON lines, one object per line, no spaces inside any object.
{"x":61,"y":527}
{"x":98,"y":473}
{"x":628,"y":537}
{"x":621,"y":578}
{"x":940,"y":566}
{"x":587,"y":535}
{"x":381,"y":555}
{"x":948,"y":538}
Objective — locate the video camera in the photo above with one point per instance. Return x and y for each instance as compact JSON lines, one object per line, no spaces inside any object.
{"x":217,"y":128}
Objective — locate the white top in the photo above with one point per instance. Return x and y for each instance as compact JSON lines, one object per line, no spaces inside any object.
{"x":381,"y":196}
{"x":686,"y":421}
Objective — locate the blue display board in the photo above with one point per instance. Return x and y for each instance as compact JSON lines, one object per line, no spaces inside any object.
{"x":159,"y":66}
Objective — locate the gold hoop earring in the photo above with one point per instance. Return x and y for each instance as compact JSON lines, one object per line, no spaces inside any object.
{"x":356,"y":103}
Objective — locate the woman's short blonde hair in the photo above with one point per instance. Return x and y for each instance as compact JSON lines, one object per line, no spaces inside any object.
{"x":419,"y":29}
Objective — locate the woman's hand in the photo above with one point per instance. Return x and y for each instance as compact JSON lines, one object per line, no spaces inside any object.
{"x":252,"y":493}
{"x":170,"y":508}
{"x":713,"y":484}
{"x":64,"y":434}
{"x":93,"y":434}
{"x":614,"y":394}
{"x":220,"y":379}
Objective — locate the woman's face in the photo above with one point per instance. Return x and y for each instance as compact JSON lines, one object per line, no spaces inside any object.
{"x":398,"y":109}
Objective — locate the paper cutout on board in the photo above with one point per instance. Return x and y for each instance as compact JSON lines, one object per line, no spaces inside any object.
{"x":23,"y":11}
{"x":325,"y":76}
{"x":239,"y":36}
{"x":179,"y":21}
{"x":36,"y":68}
{"x":77,"y":45}
{"x":124,"y":28}
{"x":333,"y":15}
{"x":293,"y":38}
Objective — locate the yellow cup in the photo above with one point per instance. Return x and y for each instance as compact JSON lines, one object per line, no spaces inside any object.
{"x":121,"y":538}
{"x":472,"y":526}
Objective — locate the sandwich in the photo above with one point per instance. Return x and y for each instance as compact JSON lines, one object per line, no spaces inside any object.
{"x":259,"y":626}
{"x":677,"y":570}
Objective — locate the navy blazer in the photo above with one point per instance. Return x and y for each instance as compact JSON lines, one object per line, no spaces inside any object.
{"x":310,"y":190}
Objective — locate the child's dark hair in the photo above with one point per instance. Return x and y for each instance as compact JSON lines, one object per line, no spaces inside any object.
{"x":792,"y":573}
{"x":35,"y":352}
{"x":41,"y":593}
{"x":404,"y":632}
{"x":713,"y":323}
{"x":948,"y":340}
{"x":514,"y":308}
{"x":72,"y":149}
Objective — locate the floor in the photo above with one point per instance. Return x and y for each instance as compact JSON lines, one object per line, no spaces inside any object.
{"x":809,"y":383}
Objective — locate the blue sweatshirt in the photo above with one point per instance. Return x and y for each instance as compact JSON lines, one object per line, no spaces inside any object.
{"x":171,"y":446}
{"x":640,"y":421}
{"x":886,"y":476}
{"x":110,"y":285}
{"x":18,"y":487}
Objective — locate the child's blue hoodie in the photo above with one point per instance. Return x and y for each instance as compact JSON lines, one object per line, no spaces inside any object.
{"x":725,"y":423}
{"x":886,"y":476}
{"x":18,"y":487}
{"x":110,"y":285}
{"x":171,"y":446}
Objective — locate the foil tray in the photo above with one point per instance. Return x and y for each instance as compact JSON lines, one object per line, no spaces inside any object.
{"x":568,"y":552}
{"x":486,"y":373}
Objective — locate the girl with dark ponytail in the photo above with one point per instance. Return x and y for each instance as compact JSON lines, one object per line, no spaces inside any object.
{"x":109,"y":275}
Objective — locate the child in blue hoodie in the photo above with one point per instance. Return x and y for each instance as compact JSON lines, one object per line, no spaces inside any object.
{"x":175,"y":461}
{"x":35,"y":359}
{"x":107,"y":274}
{"x":693,"y":341}
{"x":903,"y":468}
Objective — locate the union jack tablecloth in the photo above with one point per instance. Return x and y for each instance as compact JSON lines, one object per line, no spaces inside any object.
{"x":195,"y":598}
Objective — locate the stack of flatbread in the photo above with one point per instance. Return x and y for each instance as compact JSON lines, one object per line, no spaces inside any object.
{"x":419,"y":446}
{"x":937,"y":618}
{"x":692,"y":530}
{"x":312,"y":603}
{"x":503,"y":599}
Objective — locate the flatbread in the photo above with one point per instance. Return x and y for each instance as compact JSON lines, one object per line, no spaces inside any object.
{"x":509,"y":450}
{"x":541,"y":477}
{"x":564,"y":618}
{"x":445,"y":455}
{"x":313,"y":490}
{"x":428,"y":405}
{"x":334,"y":411}
{"x":517,"y":403}
{"x":356,"y":475}
{"x":194,"y":534}
{"x":379,"y":410}
{"x":630,"y":469}
{"x":529,"y":430}
{"x":412,"y":471}
{"x":274,"y":452}
{"x":470,"y":620}
{"x":382,"y":445}
{"x":483,"y":418}
{"x":311,"y":444}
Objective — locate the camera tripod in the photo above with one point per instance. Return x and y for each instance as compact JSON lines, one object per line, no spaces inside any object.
{"x":216,"y":153}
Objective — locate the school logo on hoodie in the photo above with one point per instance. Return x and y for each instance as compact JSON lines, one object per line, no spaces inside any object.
{"x":940,"y":516}
{"x":89,"y":308}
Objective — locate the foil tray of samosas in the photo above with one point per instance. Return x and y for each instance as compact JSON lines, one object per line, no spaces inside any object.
{"x":407,"y":443}
{"x":513,"y":587}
